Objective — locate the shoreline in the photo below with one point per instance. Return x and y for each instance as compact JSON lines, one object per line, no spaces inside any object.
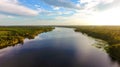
{"x":15,"y":35}
{"x":110,"y":34}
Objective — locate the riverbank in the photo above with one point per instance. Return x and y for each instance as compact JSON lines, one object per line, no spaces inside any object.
{"x":111,"y":34}
{"x":12,"y":35}
{"x":108,"y":33}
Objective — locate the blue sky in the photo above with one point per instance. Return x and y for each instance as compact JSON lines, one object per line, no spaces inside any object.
{"x":59,"y":12}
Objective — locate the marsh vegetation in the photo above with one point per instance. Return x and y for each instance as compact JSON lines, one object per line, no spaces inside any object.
{"x":61,"y":47}
{"x":111,"y":34}
{"x":12,"y":35}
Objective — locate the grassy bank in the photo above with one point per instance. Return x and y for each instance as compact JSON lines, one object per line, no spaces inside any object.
{"x":111,"y":34}
{"x":108,"y":33}
{"x":11,"y":35}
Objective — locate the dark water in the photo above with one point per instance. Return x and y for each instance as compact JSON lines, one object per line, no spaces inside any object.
{"x":61,"y":47}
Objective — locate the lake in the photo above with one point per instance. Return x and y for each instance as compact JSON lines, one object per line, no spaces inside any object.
{"x":62,"y":47}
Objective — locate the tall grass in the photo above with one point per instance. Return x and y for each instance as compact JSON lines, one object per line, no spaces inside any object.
{"x":111,"y":34}
{"x":10,"y":36}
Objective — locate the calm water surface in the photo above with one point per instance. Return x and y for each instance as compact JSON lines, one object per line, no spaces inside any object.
{"x":61,"y":47}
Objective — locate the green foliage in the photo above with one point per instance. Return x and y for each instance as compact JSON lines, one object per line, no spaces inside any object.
{"x":111,"y":34}
{"x":12,"y":35}
{"x":114,"y":52}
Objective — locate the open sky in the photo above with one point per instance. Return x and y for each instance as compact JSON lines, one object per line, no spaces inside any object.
{"x":59,"y":12}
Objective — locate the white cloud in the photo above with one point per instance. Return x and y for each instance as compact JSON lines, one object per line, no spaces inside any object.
{"x":108,"y":17}
{"x":56,"y":8}
{"x":37,"y":6}
{"x":92,"y":6}
{"x":10,"y":1}
{"x":13,"y":7}
{"x":3,"y":17}
{"x":62,"y":3}
{"x":88,"y":16}
{"x":88,"y":4}
{"x":108,"y":1}
{"x":99,"y":1}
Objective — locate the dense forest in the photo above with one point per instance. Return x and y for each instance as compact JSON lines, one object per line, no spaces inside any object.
{"x":111,"y":34}
{"x":12,"y":35}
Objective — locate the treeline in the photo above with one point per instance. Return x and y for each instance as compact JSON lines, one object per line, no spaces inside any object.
{"x":111,"y":34}
{"x":12,"y":35}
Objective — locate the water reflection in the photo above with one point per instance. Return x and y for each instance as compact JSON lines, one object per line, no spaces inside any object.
{"x":61,"y":47}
